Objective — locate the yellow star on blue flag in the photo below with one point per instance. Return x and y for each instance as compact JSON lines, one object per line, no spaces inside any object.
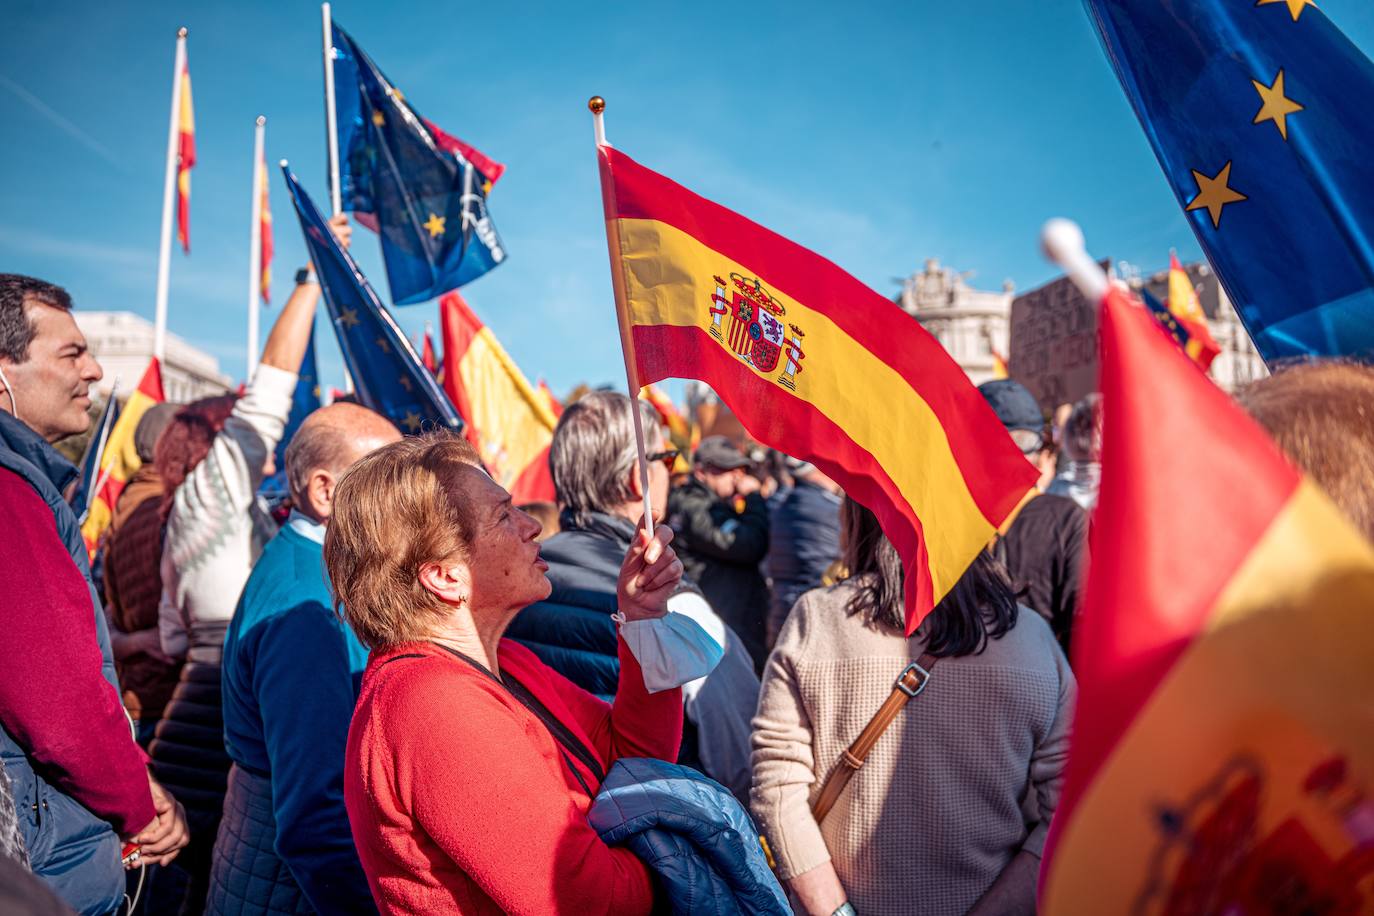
{"x":1278,"y":189}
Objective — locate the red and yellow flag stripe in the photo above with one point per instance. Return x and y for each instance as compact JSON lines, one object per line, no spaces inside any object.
{"x":859,"y":388}
{"x":120,"y":460}
{"x":1224,"y":733}
{"x":265,"y":231}
{"x":508,"y":421}
{"x":186,"y":158}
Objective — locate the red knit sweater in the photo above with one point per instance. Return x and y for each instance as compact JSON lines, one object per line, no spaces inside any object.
{"x":461,"y":801}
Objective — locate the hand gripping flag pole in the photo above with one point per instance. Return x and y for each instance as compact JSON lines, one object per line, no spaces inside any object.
{"x":598,"y":106}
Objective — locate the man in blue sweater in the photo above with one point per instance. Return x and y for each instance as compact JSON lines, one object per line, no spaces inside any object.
{"x":290,"y":677}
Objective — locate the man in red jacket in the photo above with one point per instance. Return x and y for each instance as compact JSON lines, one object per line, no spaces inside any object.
{"x":80,"y":783}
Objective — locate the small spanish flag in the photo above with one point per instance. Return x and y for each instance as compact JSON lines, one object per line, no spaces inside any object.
{"x":186,"y":158}
{"x":120,"y":460}
{"x":1184,"y":306}
{"x":264,"y":229}
{"x":817,"y":365}
{"x":507,"y":420}
{"x":1223,"y":748}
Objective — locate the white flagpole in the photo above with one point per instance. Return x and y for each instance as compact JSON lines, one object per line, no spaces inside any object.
{"x":598,"y":105}
{"x":255,"y":247}
{"x":331,"y":123}
{"x":330,"y":117}
{"x":164,"y":260}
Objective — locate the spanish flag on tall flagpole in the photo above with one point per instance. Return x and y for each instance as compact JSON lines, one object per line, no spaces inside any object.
{"x":507,"y":420}
{"x":1223,"y":748}
{"x":120,"y":458}
{"x":186,"y":158}
{"x":815,"y":364}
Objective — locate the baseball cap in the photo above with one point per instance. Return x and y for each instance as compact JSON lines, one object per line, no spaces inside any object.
{"x":1013,"y":403}
{"x":720,"y":453}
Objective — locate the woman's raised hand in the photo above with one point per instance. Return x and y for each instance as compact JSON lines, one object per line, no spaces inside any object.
{"x":650,"y":573}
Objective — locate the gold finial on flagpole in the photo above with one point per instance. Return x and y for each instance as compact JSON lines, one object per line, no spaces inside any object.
{"x":597,"y":104}
{"x":181,"y":32}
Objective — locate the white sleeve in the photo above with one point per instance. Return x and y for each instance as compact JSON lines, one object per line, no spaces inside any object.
{"x":694,"y":605}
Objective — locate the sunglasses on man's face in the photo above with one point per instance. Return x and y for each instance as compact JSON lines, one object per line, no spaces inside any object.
{"x":668,"y":457}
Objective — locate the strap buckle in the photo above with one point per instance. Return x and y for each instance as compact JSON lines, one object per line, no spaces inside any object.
{"x":913,"y":670}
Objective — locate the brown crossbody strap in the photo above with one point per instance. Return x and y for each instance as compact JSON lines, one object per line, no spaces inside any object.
{"x":911,"y":682}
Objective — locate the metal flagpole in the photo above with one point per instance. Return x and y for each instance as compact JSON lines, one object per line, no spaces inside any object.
{"x":331,"y":124}
{"x":598,"y":105}
{"x":255,"y":246}
{"x":330,"y":117}
{"x":164,"y":259}
{"x":1063,"y":243}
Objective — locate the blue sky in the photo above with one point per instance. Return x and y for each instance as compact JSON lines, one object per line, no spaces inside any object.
{"x":876,"y":134}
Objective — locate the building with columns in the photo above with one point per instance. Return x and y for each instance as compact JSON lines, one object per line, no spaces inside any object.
{"x":123,"y":343}
{"x":971,"y":324}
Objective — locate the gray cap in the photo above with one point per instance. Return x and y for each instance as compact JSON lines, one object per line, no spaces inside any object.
{"x":150,"y":426}
{"x":720,"y":453}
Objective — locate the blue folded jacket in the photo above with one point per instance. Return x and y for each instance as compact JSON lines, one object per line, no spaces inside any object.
{"x":692,"y":833}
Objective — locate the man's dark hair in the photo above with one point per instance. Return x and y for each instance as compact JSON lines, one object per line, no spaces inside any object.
{"x":16,"y":328}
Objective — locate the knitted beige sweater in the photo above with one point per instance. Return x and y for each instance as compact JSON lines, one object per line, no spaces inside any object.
{"x":968,"y":774}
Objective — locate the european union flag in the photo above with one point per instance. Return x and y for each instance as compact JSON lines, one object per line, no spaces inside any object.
{"x":387,"y":373}
{"x":1259,"y":113}
{"x":428,"y":198}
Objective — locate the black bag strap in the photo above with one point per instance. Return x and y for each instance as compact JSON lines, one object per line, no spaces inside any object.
{"x":570,"y":743}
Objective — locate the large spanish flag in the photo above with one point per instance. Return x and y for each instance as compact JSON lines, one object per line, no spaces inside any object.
{"x":120,"y":460}
{"x":817,"y":365}
{"x":508,"y":421}
{"x":186,"y":157}
{"x":1223,"y":750}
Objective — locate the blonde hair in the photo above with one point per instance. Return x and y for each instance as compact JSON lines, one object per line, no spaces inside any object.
{"x":395,"y":510}
{"x":1321,"y":414}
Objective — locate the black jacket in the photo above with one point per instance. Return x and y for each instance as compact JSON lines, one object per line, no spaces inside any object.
{"x":804,"y":539}
{"x":1046,"y":554}
{"x":721,"y":552}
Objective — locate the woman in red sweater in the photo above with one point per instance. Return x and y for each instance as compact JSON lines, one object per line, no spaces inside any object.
{"x":470,"y":764}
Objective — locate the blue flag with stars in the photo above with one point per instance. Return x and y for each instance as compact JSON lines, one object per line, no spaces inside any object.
{"x":428,"y":200}
{"x":1260,"y":114}
{"x":387,"y":374}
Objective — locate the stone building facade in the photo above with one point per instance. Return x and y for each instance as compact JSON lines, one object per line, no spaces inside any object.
{"x":974,"y":324}
{"x":971,"y":324}
{"x":123,"y":343}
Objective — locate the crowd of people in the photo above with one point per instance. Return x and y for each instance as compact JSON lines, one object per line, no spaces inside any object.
{"x":400,"y":692}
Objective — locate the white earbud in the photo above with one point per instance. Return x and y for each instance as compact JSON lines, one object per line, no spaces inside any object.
{"x":9,"y":390}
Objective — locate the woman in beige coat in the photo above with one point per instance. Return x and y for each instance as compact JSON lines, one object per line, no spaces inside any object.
{"x":950,"y":812}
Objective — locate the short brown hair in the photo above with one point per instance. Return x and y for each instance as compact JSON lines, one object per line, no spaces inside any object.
{"x":1321,"y":414}
{"x":395,"y":510}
